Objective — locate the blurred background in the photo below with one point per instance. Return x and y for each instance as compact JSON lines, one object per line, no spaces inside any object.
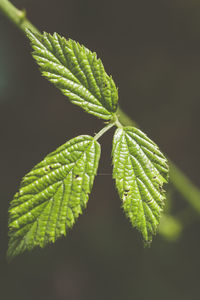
{"x":152,"y":50}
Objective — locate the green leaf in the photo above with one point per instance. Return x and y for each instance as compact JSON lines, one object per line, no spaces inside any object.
{"x":77,"y":72}
{"x":140,"y":170}
{"x":52,"y":195}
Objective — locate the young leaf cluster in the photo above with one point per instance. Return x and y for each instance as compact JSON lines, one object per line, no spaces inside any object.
{"x":55,"y":192}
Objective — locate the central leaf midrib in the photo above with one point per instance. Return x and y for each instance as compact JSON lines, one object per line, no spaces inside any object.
{"x":150,"y":192}
{"x":149,"y":161}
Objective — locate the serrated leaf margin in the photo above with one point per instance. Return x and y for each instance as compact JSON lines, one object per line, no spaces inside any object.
{"x":140,"y":172}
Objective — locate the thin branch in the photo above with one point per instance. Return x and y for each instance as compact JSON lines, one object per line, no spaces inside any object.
{"x":18,"y":17}
{"x":180,"y":181}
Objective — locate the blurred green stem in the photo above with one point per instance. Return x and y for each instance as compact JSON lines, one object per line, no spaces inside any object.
{"x":180,"y":181}
{"x":185,"y":187}
{"x":18,"y":17}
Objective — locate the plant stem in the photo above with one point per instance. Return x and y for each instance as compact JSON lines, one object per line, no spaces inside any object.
{"x":18,"y":17}
{"x":125,"y":119}
{"x":185,"y":187}
{"x":103,"y":130}
{"x":177,"y":178}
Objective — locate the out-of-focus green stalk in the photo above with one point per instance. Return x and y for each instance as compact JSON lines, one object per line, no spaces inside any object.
{"x":18,"y":17}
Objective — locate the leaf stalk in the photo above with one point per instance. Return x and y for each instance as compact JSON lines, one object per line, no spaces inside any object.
{"x":103,"y":130}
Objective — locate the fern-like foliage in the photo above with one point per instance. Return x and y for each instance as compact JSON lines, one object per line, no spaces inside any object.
{"x":77,"y":72}
{"x":52,"y":195}
{"x":140,"y":170}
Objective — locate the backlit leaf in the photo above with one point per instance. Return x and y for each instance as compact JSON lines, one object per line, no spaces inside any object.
{"x":52,"y":195}
{"x":140,"y":170}
{"x":77,"y":72}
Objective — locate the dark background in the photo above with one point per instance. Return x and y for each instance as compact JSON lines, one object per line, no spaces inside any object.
{"x":152,"y":50}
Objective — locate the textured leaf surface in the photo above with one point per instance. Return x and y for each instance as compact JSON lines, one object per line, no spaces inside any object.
{"x":140,"y":170}
{"x":77,"y":72}
{"x":52,"y":195}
